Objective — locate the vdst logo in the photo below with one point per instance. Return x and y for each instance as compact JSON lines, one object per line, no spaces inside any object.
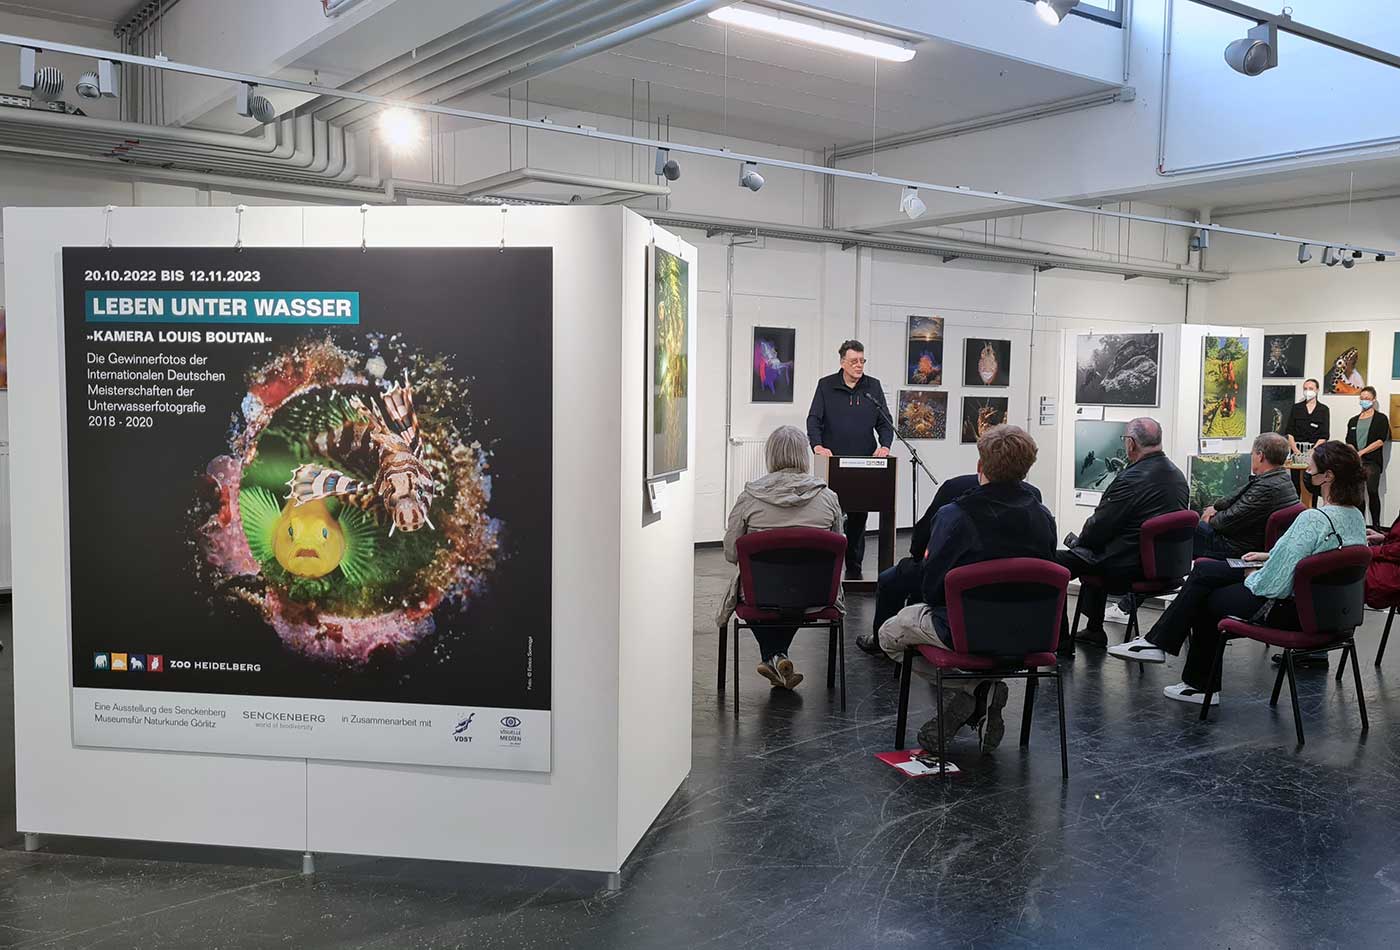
{"x":459,"y":734}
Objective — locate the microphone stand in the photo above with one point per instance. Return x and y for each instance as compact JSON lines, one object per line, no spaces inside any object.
{"x":917,"y":462}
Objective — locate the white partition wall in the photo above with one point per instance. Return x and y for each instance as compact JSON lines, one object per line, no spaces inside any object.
{"x":621,"y":578}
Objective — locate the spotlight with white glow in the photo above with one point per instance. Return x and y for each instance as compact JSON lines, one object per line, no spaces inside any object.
{"x":911,"y":204}
{"x":1054,"y":11}
{"x":666,"y":166}
{"x":1257,"y":52}
{"x":401,"y":129}
{"x":749,"y":177}
{"x":815,"y":32}
{"x":87,"y":86}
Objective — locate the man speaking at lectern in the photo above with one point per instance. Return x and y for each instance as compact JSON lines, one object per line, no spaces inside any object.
{"x":848,"y":410}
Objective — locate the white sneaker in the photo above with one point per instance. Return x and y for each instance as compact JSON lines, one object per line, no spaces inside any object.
{"x":1115,"y":614}
{"x":1189,"y":694}
{"x":1139,"y":649}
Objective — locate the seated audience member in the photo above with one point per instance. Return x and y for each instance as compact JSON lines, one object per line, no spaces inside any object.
{"x":1264,"y":594}
{"x":1383,"y":573}
{"x":1368,"y":432}
{"x":1001,"y":518}
{"x":787,"y":497}
{"x":900,"y":584}
{"x":1236,"y":524}
{"x":1108,"y":546}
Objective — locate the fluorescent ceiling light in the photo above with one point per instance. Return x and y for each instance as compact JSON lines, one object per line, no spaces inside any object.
{"x":808,"y":30}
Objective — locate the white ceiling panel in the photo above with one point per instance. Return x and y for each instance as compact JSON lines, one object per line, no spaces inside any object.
{"x":83,"y":11}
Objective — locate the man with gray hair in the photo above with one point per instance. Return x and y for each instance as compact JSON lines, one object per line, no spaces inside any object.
{"x":1108,"y":544}
{"x":1234,"y":525}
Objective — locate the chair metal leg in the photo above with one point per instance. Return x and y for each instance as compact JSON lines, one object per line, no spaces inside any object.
{"x":1064,"y":726}
{"x":1027,"y":710}
{"x":723,"y":649}
{"x":942,"y":738}
{"x":1217,"y":669}
{"x":1356,"y":676}
{"x":1293,"y":694}
{"x":841,"y":659}
{"x":736,"y":670}
{"x":1278,"y":683}
{"x":1132,"y":629}
{"x":1390,"y":618}
{"x":901,"y":718}
{"x":1078,"y":612}
{"x":1342,"y":666}
{"x":830,"y":657}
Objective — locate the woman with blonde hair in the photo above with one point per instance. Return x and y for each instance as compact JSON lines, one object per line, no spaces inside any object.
{"x":789,"y":496}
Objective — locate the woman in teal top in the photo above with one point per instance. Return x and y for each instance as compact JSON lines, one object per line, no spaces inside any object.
{"x":1368,"y":431}
{"x":1215,"y":590}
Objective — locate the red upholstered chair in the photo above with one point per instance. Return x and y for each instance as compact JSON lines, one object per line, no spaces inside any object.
{"x":1004,"y":618}
{"x":1329,"y":592}
{"x":1164,"y":548}
{"x":790,"y":577}
{"x":1279,"y":522}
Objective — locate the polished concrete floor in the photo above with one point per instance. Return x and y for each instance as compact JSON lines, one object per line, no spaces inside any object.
{"x":789,"y":833}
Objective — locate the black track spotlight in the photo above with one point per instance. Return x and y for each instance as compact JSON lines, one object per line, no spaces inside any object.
{"x":1348,"y":262}
{"x":666,"y":166}
{"x":1257,"y":52}
{"x":1304,"y":255}
{"x":1329,"y":257}
{"x":749,"y":177}
{"x":1380,"y":258}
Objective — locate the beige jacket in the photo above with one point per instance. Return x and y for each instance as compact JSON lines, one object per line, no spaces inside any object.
{"x":784,"y":499}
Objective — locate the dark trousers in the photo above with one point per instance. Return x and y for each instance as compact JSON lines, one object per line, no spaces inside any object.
{"x":1373,"y":494}
{"x":1209,"y":543}
{"x":855,"y":537}
{"x":1213,"y":591}
{"x":896,"y":588}
{"x":1092,"y":600}
{"x":773,"y":640}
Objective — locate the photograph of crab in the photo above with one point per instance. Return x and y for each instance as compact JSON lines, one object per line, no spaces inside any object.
{"x":923,"y":414}
{"x":980,"y":413}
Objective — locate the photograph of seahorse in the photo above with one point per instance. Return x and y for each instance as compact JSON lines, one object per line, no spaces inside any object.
{"x":1285,"y":355}
{"x":980,"y":413}
{"x":1275,"y":405}
{"x":923,"y":414}
{"x":1117,"y":369}
{"x":668,"y":348}
{"x":1224,"y":383}
{"x":773,"y":349}
{"x":1346,"y":361}
{"x":925,"y":351}
{"x":986,"y":362}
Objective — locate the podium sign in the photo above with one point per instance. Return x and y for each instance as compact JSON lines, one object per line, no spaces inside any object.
{"x":864,"y":483}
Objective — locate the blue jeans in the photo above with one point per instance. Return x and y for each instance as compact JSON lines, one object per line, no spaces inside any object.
{"x":1210,"y":544}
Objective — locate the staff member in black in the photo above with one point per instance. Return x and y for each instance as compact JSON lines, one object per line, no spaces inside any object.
{"x":1368,"y":431}
{"x":1310,"y":421}
{"x":848,"y":410}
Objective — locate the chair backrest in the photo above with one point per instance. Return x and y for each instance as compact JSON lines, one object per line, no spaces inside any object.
{"x":1279,"y":522}
{"x":1329,"y":589}
{"x":791,"y":570}
{"x":1006,"y":607}
{"x":1165,"y":545}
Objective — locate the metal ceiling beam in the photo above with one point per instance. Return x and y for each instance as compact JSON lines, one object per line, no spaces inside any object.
{"x":679,"y":148}
{"x":1286,"y":24}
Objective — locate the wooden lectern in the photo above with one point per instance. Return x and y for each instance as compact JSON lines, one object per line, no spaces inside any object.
{"x":864,"y":484}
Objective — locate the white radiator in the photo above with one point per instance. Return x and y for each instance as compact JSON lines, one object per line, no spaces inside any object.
{"x":746,"y":462}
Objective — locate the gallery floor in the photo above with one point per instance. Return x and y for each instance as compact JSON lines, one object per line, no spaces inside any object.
{"x":788,"y":833}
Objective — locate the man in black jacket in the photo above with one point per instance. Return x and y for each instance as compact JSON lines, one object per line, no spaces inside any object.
{"x":848,"y":410}
{"x":1235,"y":525}
{"x":1108,"y":545}
{"x":1002,"y":517}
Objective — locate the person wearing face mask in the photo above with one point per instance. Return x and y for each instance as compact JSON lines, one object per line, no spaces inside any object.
{"x":1368,"y":431}
{"x":1310,"y":421}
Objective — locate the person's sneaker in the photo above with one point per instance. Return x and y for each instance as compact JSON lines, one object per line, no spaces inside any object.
{"x":1189,"y":694}
{"x":770,"y":672}
{"x":1317,"y":659}
{"x":957,"y":708}
{"x":1115,"y":614}
{"x":870,"y":644}
{"x":1095,"y":637}
{"x":1139,"y":649}
{"x":993,"y":727}
{"x":787,"y":671}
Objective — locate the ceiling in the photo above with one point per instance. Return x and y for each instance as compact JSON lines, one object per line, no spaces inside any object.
{"x":724,"y":80}
{"x":91,"y":12}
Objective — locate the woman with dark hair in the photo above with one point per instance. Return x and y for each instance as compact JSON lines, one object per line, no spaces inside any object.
{"x":1265,"y":593}
{"x":1368,"y":431}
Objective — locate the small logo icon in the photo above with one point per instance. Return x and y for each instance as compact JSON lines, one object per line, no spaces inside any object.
{"x":119,"y":662}
{"x":464,"y":725}
{"x":155,"y":663}
{"x":136,"y":663}
{"x":101,"y":661}
{"x":510,"y":722}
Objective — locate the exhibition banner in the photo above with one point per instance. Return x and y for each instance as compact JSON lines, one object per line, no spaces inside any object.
{"x":309,"y":501}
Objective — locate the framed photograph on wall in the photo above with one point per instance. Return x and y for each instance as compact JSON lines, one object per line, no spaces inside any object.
{"x":1275,"y":408}
{"x":1099,"y":455}
{"x":980,"y":413}
{"x":773,"y":358}
{"x":668,"y":363}
{"x":1346,"y":360}
{"x":1215,"y":476}
{"x":1285,"y":355}
{"x":924,"y":351}
{"x":923,"y":414}
{"x":1394,"y":351}
{"x":986,"y":362}
{"x":1224,"y":385}
{"x":1117,"y":369}
{"x":4,"y":364}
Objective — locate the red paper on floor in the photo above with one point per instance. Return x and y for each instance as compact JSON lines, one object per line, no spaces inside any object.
{"x":914,"y":762}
